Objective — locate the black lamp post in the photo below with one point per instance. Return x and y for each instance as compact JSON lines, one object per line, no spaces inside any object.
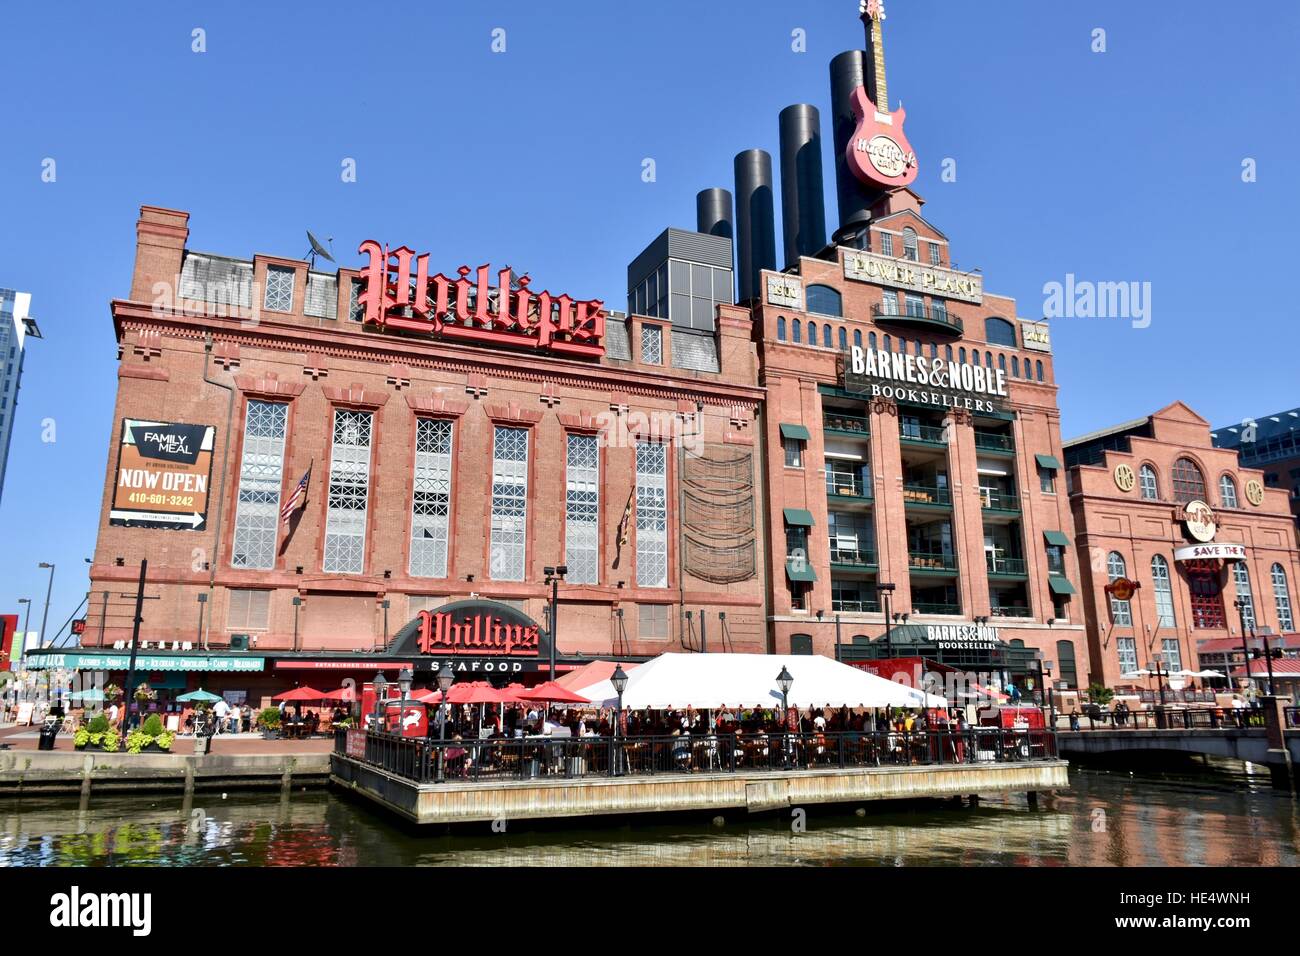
{"x":886,"y":592}
{"x":445,"y":679}
{"x":1157,"y":667}
{"x":553,"y":577}
{"x":1268,"y":661}
{"x":404,"y":685}
{"x":380,"y":683}
{"x":619,"y":681}
{"x":1241,"y":606}
{"x":784,"y":681}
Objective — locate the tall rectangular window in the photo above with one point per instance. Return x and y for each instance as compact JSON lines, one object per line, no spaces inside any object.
{"x":261,"y":469}
{"x":652,"y":349}
{"x":1126,"y":647}
{"x":886,"y":244}
{"x":582,"y":510}
{"x":1241,"y":581}
{"x":1163,"y":588}
{"x":509,"y":503}
{"x":934,"y":254}
{"x":651,"y":515}
{"x":279,"y":289}
{"x":431,"y":504}
{"x":1172,"y":653}
{"x":349,"y":489}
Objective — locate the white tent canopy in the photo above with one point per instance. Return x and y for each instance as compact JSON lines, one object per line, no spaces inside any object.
{"x":706,"y":681}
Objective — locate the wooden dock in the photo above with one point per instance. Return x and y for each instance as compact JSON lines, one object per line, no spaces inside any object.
{"x":752,"y":791}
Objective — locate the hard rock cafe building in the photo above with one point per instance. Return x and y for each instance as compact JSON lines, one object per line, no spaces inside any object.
{"x":1157,"y":505}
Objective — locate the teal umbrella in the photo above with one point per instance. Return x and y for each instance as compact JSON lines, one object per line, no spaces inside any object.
{"x":199,"y":694}
{"x":94,"y":694}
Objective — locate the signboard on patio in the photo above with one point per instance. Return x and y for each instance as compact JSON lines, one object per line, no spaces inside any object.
{"x":356,"y":744}
{"x":163,"y":473}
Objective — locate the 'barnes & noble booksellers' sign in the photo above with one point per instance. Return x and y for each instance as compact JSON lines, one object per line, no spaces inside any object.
{"x":918,"y":380}
{"x":473,"y":310}
{"x":163,"y":473}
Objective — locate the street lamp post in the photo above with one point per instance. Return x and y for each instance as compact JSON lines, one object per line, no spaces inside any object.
{"x":404,"y":685}
{"x":784,"y":681}
{"x":1241,"y":606}
{"x":553,"y":577}
{"x":48,"y":592}
{"x":445,"y":679}
{"x":886,"y":591}
{"x":1268,"y":662}
{"x":619,"y":681}
{"x":203,"y":603}
{"x":380,"y":684}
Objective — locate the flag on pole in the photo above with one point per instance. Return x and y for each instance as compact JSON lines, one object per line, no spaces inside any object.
{"x":623,"y":526}
{"x":298,"y":496}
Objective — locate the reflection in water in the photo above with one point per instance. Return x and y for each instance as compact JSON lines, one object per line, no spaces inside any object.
{"x":1107,"y":818}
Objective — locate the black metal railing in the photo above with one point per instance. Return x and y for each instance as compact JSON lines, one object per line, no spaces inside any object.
{"x":852,"y":557}
{"x":497,"y":758}
{"x":851,"y":606}
{"x":1011,"y":612}
{"x":911,"y":313}
{"x":845,"y":485}
{"x":999,"y":564}
{"x":931,"y":561}
{"x":931,"y":434}
{"x":935,"y":607}
{"x":992,"y":500}
{"x":848,"y":424}
{"x":926,"y":495}
{"x":991,"y":441}
{"x":1170,"y":718}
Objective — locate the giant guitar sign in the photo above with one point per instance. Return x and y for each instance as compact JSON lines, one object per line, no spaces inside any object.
{"x":878,"y":153}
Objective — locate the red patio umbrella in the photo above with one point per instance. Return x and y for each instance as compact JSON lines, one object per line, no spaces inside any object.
{"x":300,"y":693}
{"x":553,"y":693}
{"x":343,"y":693}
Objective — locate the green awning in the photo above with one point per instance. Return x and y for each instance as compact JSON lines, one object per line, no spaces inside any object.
{"x":1059,"y":585}
{"x":796,"y":573}
{"x":1048,"y":462}
{"x":798,"y":518}
{"x":1057,"y":537}
{"x":794,"y":431}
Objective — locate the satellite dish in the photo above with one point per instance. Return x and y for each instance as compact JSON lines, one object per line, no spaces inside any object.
{"x":317,"y":249}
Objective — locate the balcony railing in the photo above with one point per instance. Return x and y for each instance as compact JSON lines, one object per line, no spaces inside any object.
{"x":846,"y":424}
{"x":925,"y":607}
{"x":854,"y":607}
{"x":991,"y":500}
{"x":929,"y":434}
{"x":940,"y":320}
{"x":990,"y":441}
{"x":926,"y":495}
{"x":845,"y":485}
{"x":1010,"y":612}
{"x":931,"y":561}
{"x":852,"y":557}
{"x":997,"y":564}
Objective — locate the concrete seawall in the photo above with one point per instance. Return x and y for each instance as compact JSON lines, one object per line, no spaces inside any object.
{"x":466,"y":802}
{"x":26,"y":772}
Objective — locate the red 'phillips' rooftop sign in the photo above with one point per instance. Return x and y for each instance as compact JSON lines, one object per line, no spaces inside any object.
{"x":471,"y":309}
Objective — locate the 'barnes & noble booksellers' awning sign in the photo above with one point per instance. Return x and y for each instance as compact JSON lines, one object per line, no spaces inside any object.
{"x":163,"y":473}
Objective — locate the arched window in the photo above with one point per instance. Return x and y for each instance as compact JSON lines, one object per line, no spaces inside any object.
{"x":961,"y":355}
{"x":1015,"y":366}
{"x":826,"y":336}
{"x":1002,"y":364}
{"x":988,"y":359}
{"x":947,"y":353}
{"x":798,"y":331}
{"x":844,"y":339}
{"x":1147,"y":478}
{"x":857,"y":338}
{"x":824,"y":300}
{"x":916,"y":347}
{"x":780,"y":328}
{"x":889,"y":345}
{"x":934,"y":350}
{"x":999,"y":332}
{"x":1038,"y":368}
{"x":871,"y":340}
{"x":1241,"y":581}
{"x":812,"y":333}
{"x":1163,"y":587}
{"x":1228,"y":491}
{"x":1120,"y":611}
{"x":1189,"y":483}
{"x":909,"y":243}
{"x":1282,"y":598}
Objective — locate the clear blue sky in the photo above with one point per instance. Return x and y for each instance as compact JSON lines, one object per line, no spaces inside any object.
{"x":1118,"y":166}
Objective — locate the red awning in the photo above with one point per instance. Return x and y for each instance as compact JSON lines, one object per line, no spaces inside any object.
{"x":300,"y":693}
{"x":553,"y":693}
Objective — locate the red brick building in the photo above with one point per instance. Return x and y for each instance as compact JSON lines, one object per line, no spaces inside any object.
{"x":1155,"y":502}
{"x":934,"y":465}
{"x":443,"y":468}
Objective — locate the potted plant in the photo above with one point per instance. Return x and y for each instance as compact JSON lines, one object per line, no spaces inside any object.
{"x":96,"y":734}
{"x":151,"y":737}
{"x":269,"y":718}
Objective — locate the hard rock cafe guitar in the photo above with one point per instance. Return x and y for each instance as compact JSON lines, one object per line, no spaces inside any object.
{"x":878,"y":153}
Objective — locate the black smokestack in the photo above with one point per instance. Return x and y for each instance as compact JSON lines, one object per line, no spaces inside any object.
{"x":713,"y":213}
{"x":803,"y":211}
{"x":853,"y":198}
{"x":755,"y":221}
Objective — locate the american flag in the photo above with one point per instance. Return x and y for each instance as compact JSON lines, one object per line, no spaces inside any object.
{"x":299,"y":493}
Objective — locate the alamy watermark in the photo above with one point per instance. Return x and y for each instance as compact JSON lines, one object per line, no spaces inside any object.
{"x":1085,"y":299}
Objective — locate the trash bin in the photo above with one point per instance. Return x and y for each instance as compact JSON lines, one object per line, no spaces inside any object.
{"x":49,"y":730}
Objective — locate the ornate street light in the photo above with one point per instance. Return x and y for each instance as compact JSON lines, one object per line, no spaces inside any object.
{"x":380,"y":684}
{"x":619,"y":682}
{"x":445,"y":679}
{"x":404,"y":685}
{"x":784,"y":681}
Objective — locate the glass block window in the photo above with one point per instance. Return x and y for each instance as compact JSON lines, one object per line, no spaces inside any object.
{"x":651,"y":515}
{"x":261,"y":470}
{"x":1241,"y":582}
{"x":1228,"y":491}
{"x":349,"y":487}
{"x":1282,"y":599}
{"x":582,"y":510}
{"x":431,"y":499}
{"x":1147,"y":479}
{"x":509,"y":503}
{"x":652,"y":345}
{"x":248,"y":610}
{"x":355,"y":311}
{"x":1172,"y":653}
{"x":1163,"y":588}
{"x":653,"y":621}
{"x":279,"y":289}
{"x":1120,"y":611}
{"x":1126,"y":647}
{"x":1189,"y":484}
